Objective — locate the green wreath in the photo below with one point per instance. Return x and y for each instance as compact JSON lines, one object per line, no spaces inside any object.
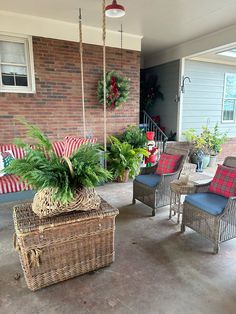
{"x":117,"y":90}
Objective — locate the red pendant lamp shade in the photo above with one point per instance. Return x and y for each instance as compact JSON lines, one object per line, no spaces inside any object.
{"x":115,"y":10}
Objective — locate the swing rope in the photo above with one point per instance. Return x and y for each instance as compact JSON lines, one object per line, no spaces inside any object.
{"x":104,"y":77}
{"x":82,"y":71}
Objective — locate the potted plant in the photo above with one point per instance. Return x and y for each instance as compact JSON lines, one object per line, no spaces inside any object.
{"x":124,"y":159}
{"x":135,"y":136}
{"x":200,"y":151}
{"x":217,"y":139}
{"x":62,"y":182}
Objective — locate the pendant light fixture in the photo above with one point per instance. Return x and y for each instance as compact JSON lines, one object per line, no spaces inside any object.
{"x":115,"y":10}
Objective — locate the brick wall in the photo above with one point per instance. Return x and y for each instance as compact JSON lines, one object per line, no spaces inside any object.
{"x":56,"y":106}
{"x":228,"y":149}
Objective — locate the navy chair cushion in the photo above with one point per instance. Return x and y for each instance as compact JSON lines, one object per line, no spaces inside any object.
{"x":211,"y":203}
{"x":149,"y":179}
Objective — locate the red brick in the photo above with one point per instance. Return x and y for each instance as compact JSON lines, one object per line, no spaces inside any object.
{"x":56,"y":106}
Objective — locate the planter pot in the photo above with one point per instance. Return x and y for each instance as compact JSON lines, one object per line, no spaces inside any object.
{"x":44,"y":204}
{"x":212,"y":162}
{"x":124,"y":178}
{"x":197,"y":159}
{"x":206,"y":160}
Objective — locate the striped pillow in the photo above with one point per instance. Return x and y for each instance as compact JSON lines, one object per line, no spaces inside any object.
{"x":18,"y":153}
{"x":58,"y":148}
{"x":74,"y":143}
{"x":224,"y":182}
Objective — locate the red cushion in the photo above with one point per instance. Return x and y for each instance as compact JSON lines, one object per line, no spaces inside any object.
{"x":224,"y":181}
{"x":73,"y":143}
{"x":11,"y":183}
{"x":168,"y":163}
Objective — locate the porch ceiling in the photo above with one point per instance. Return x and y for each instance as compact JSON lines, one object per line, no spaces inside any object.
{"x":163,"y":23}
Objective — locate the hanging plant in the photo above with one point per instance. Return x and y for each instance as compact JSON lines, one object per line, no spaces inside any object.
{"x":117,"y":90}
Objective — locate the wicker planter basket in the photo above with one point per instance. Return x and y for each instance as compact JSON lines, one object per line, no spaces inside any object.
{"x":45,"y":206}
{"x":58,"y":248}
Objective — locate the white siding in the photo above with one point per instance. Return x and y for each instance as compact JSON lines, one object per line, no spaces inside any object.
{"x":203,"y":97}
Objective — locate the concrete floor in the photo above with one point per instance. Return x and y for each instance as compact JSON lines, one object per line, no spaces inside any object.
{"x":157,"y":270}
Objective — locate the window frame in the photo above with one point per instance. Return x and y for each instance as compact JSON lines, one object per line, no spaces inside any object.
{"x":28,"y":46}
{"x":224,"y":98}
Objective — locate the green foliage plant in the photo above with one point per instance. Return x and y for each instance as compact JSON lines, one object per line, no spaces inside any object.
{"x":134,"y":136}
{"x":198,"y":142}
{"x":217,"y":139}
{"x":210,"y":142}
{"x":122,"y":157}
{"x":42,"y":168}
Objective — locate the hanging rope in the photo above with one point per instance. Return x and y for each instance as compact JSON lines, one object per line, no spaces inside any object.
{"x":82,"y":70}
{"x":121,"y":47}
{"x":104,"y":76}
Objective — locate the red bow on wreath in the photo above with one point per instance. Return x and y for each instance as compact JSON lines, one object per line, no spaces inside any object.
{"x":114,"y":92}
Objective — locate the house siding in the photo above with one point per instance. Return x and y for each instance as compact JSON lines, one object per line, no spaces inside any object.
{"x":56,"y":106}
{"x":203,"y":97}
{"x":168,"y":75}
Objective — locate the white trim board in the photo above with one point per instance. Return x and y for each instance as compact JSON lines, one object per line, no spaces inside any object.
{"x":37,"y":26}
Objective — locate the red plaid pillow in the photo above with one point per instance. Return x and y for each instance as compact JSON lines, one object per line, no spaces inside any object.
{"x":168,"y":163}
{"x":73,"y":143}
{"x":224,"y":181}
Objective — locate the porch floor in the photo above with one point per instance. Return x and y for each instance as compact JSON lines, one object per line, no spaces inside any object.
{"x":157,"y":269}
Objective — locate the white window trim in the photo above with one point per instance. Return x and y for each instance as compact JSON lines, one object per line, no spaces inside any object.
{"x":27,"y":40}
{"x":222,"y":111}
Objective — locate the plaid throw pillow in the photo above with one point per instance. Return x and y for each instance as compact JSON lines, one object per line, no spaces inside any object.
{"x":224,"y":182}
{"x":74,"y":143}
{"x":168,"y":163}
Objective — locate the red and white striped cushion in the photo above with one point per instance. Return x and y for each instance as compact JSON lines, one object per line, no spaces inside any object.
{"x":73,"y":143}
{"x":58,"y":148}
{"x":17,"y":152}
{"x":10,"y":183}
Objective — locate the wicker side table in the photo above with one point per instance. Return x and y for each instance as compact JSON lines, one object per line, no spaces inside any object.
{"x":177,"y":190}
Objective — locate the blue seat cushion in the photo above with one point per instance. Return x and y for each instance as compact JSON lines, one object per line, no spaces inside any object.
{"x":149,"y":179}
{"x":211,"y":203}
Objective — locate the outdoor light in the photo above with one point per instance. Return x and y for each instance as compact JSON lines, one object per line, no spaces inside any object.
{"x":115,"y":10}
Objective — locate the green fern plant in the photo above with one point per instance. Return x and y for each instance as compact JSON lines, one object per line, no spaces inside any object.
{"x":42,"y":168}
{"x":134,"y":136}
{"x":122,"y":156}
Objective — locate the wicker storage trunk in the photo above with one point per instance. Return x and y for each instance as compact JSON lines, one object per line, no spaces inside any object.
{"x":58,"y":248}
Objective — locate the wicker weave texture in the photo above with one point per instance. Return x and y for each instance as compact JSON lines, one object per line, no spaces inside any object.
{"x":216,"y":228}
{"x":44,"y":204}
{"x":56,"y":249}
{"x":158,"y":195}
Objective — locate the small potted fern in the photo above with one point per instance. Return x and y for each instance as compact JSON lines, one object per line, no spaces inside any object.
{"x":63,"y":184}
{"x":124,"y":160}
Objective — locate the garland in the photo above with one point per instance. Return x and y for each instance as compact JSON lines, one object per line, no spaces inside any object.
{"x":117,"y":90}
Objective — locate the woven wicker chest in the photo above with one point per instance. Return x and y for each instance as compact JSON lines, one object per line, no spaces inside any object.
{"x":58,"y":248}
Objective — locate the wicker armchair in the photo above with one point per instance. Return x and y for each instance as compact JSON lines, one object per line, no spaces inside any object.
{"x":215,"y":227}
{"x":158,"y":194}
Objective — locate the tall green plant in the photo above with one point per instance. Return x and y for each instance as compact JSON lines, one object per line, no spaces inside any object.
{"x":42,"y":168}
{"x":217,"y":139}
{"x":122,"y":156}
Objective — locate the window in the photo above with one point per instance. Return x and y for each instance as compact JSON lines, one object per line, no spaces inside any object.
{"x":16,"y":65}
{"x":229,"y":101}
